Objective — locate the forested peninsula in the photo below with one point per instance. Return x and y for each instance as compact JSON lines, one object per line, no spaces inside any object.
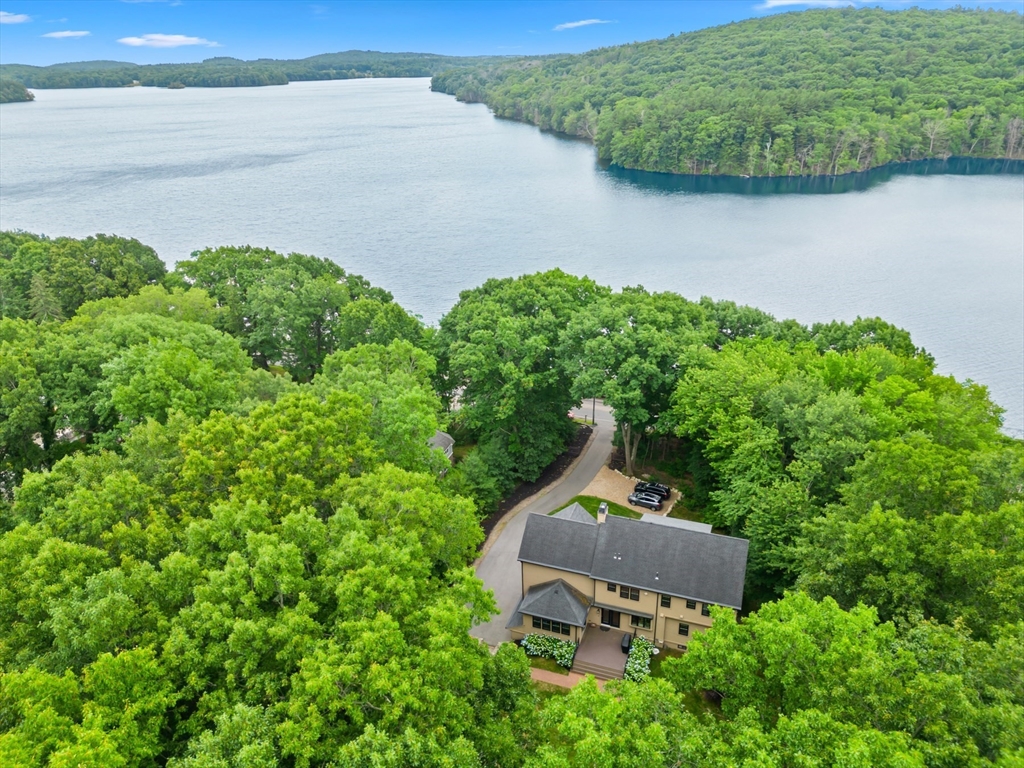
{"x":225,"y":540}
{"x":11,"y":90}
{"x":815,"y":92}
{"x":227,"y":72}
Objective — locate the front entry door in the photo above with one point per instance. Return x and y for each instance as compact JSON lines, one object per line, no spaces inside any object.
{"x":609,"y":617}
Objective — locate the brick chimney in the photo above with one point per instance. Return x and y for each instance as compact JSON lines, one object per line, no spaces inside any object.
{"x":602,"y":513}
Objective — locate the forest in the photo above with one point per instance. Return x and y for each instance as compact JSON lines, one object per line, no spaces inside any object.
{"x":227,"y":72}
{"x":225,"y":541}
{"x":11,"y":90}
{"x":828,"y":91}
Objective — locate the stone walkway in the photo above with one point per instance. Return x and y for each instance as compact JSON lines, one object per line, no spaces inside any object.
{"x":562,"y":681}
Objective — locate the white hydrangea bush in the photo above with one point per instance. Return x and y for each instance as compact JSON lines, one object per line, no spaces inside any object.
{"x":562,"y":651}
{"x":638,"y":665}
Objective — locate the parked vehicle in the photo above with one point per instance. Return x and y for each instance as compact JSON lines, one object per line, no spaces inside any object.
{"x":644,"y":500}
{"x":651,"y":496}
{"x":659,"y":490}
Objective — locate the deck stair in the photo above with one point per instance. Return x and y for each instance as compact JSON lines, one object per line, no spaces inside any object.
{"x":597,"y":670}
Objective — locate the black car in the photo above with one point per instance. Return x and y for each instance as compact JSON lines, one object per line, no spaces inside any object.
{"x":659,"y":490}
{"x":644,"y":500}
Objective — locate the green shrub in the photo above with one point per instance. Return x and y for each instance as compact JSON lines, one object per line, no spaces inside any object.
{"x":638,"y":665}
{"x":562,"y":651}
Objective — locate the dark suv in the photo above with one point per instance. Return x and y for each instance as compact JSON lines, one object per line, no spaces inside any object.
{"x":659,"y":490}
{"x":645,"y":500}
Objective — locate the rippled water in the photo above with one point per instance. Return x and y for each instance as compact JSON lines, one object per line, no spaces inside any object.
{"x":426,"y":197}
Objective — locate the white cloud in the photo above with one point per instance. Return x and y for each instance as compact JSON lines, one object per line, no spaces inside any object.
{"x":584,"y":23}
{"x":13,"y":18}
{"x":67,"y":33}
{"x":167,"y":41}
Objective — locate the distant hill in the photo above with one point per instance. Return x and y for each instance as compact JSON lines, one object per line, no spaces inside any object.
{"x":812,"y":92}
{"x":88,"y":66}
{"x":225,"y":71}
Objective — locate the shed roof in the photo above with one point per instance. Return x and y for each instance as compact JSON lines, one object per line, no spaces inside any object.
{"x":441,"y":440}
{"x":555,"y":600}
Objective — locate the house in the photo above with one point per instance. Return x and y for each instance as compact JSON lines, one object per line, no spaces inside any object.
{"x":443,"y":442}
{"x":591,"y":581}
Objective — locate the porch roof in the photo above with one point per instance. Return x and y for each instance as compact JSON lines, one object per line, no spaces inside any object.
{"x":555,"y":600}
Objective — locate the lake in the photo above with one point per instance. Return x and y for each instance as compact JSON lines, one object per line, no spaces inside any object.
{"x":426,"y":197}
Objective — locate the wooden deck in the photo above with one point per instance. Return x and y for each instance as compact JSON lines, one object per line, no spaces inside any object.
{"x":600,"y":654}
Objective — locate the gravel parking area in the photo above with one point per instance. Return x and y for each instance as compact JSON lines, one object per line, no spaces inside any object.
{"x":614,"y":486}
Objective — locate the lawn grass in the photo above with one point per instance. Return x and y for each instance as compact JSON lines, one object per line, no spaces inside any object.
{"x":680,"y":512}
{"x":657,"y":661}
{"x":547,"y":691}
{"x":591,"y":503}
{"x":539,"y":662}
{"x":459,"y":452}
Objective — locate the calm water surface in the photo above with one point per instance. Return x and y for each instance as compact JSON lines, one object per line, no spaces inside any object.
{"x":427,"y":197}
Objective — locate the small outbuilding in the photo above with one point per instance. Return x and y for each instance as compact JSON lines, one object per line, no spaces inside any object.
{"x":443,"y":442}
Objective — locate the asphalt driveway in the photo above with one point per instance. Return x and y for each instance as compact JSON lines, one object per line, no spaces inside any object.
{"x":499,"y":568}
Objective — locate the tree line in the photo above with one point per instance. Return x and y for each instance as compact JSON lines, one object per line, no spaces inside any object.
{"x":827,"y":91}
{"x":228,"y":72}
{"x":225,"y":541}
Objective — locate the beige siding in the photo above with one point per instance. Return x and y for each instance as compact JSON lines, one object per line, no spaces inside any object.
{"x":648,"y":633}
{"x":539,"y":574}
{"x":648,"y":602}
{"x":670,"y":618}
{"x":529,"y":629}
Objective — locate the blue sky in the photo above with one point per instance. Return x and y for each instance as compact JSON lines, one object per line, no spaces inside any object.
{"x":149,"y":31}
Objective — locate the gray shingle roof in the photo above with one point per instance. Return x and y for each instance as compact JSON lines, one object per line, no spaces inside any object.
{"x":442,"y":440}
{"x":575,"y":512}
{"x":559,"y":543}
{"x":672,"y":522}
{"x":555,"y":600}
{"x":689,"y":564}
{"x":670,"y":560}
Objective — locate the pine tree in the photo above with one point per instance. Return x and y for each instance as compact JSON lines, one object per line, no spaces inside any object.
{"x":43,"y":304}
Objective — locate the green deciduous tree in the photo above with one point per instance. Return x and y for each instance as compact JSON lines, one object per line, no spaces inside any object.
{"x":497,"y":347}
{"x":67,"y":273}
{"x":625,"y":348}
{"x":800,"y":660}
{"x":288,"y":310}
